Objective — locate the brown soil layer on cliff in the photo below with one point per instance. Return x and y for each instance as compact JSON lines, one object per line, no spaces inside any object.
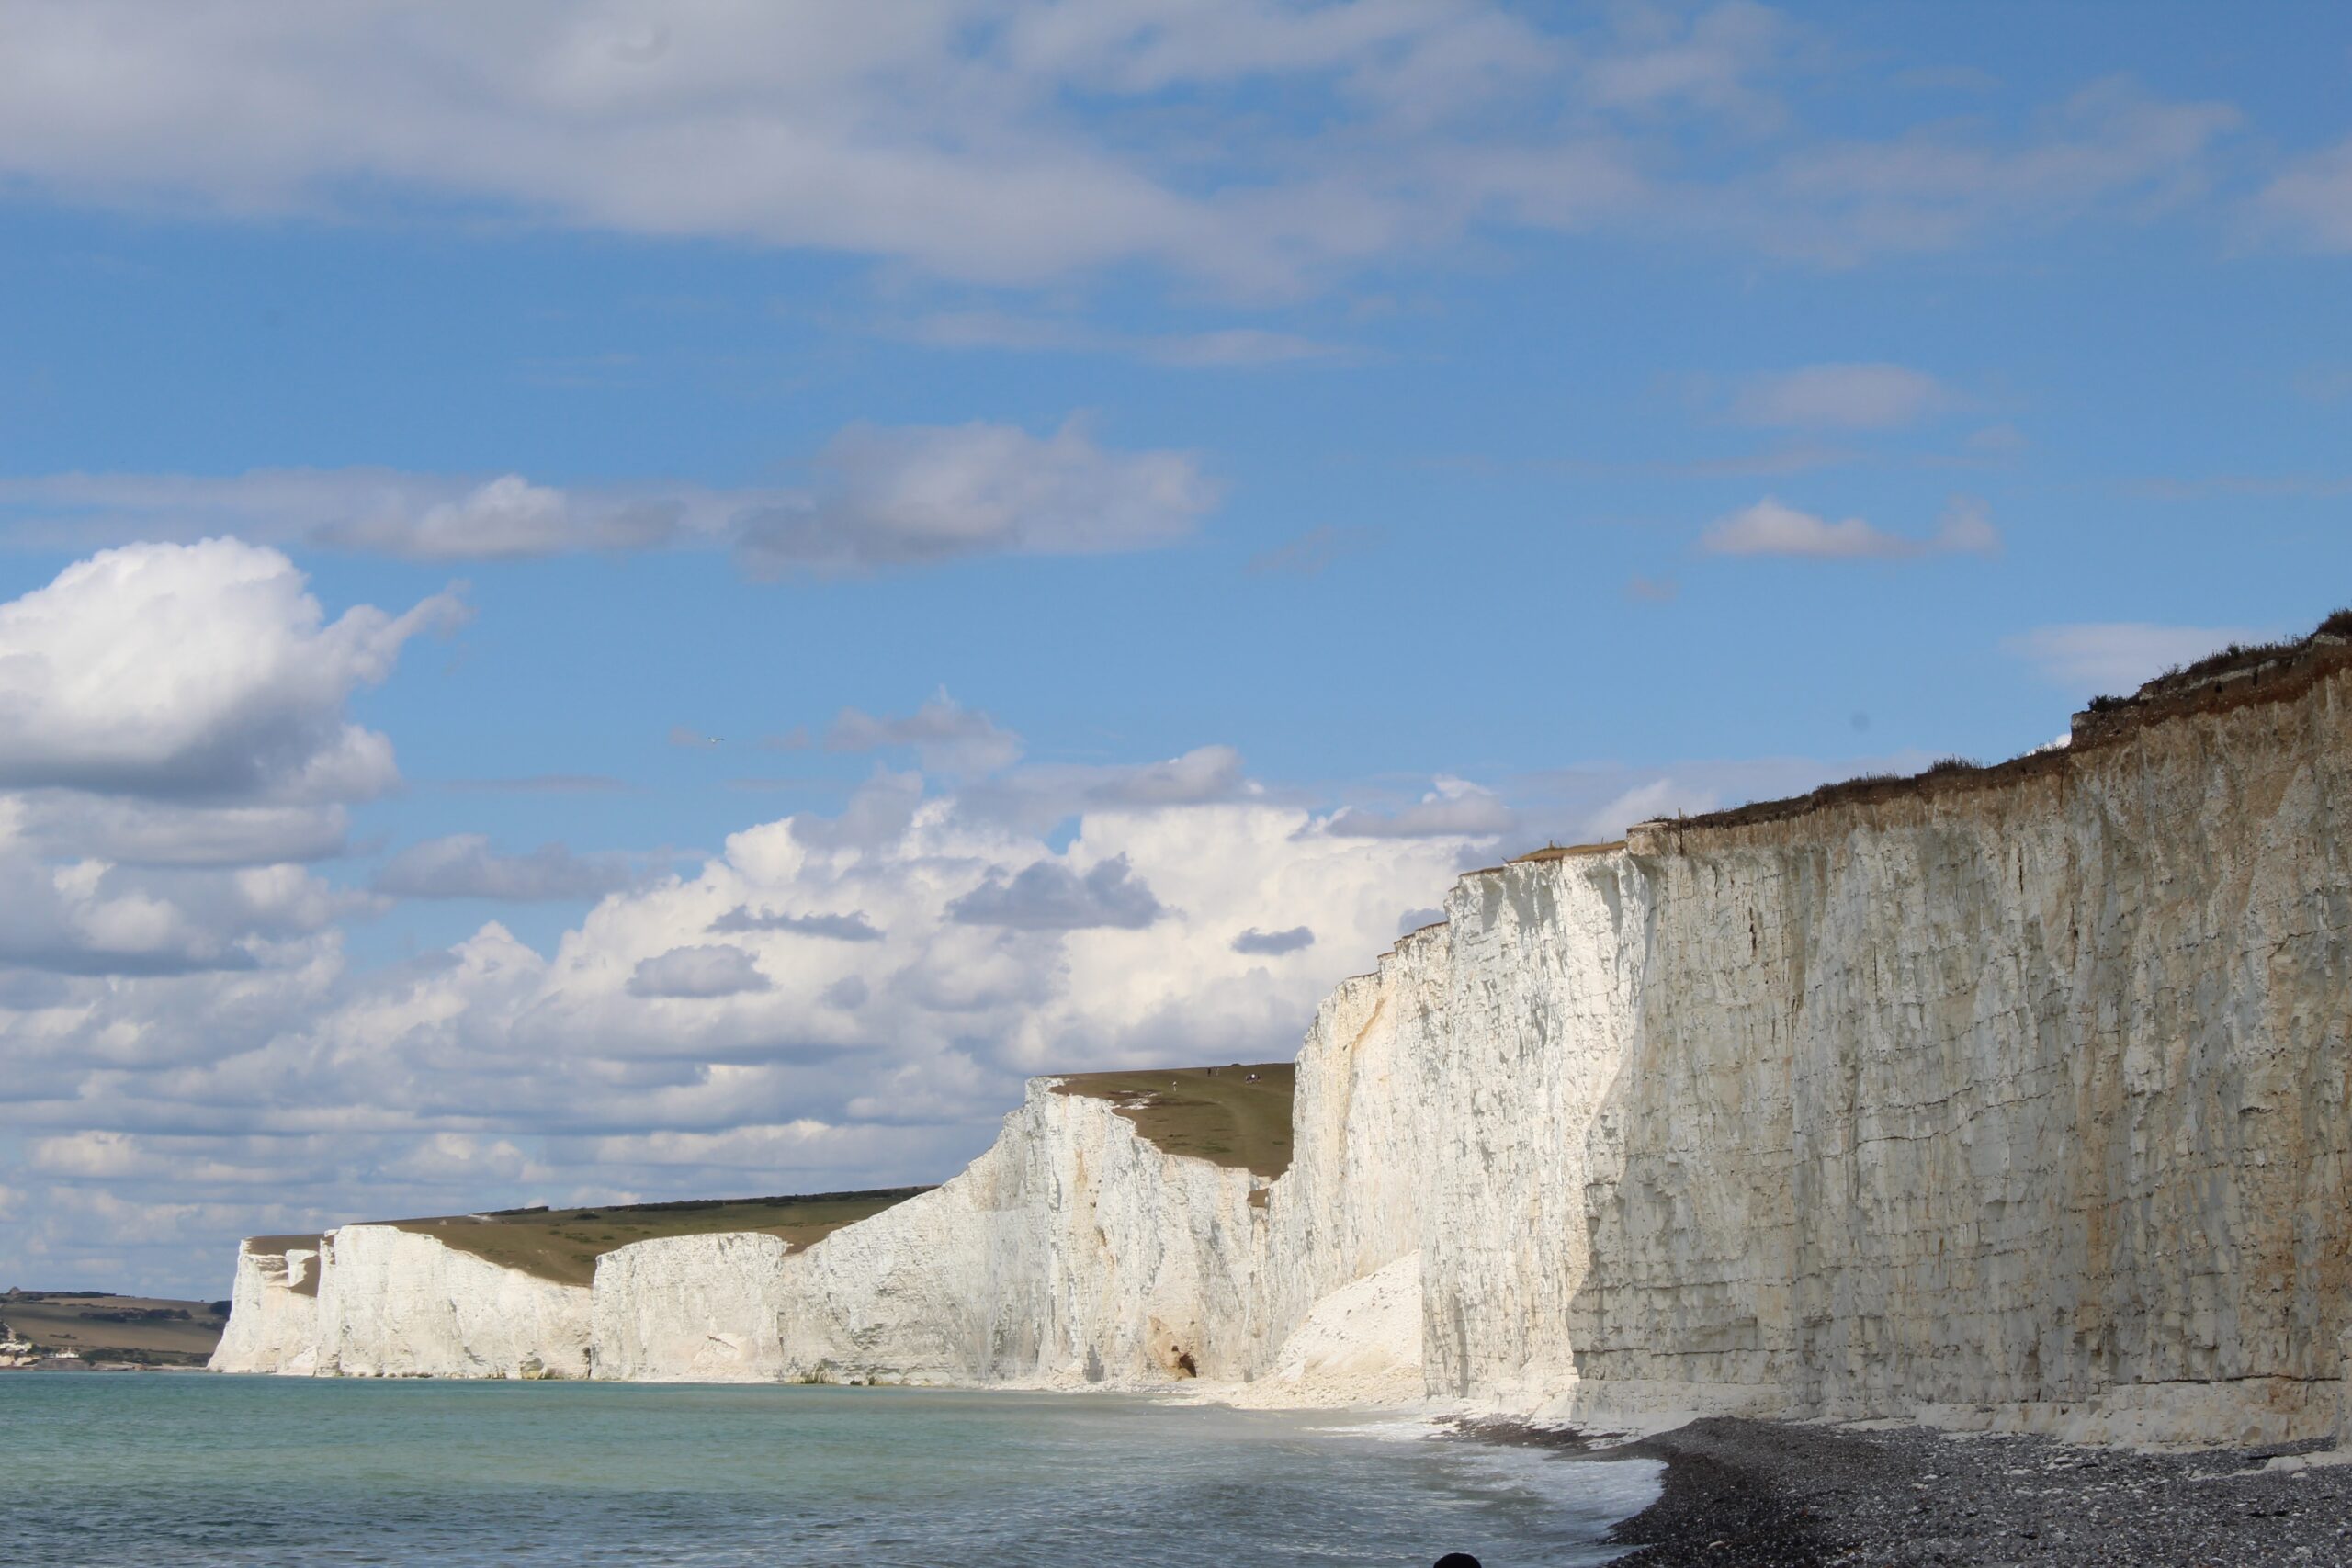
{"x":2238,"y":676}
{"x":1765,"y":1495}
{"x":1212,"y":1113}
{"x":563,"y":1245}
{"x":142,"y":1330}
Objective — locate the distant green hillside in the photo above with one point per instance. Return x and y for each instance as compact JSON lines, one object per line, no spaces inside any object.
{"x":141,"y":1330}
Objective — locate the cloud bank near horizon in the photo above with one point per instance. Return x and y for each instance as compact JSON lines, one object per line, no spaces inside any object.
{"x":831,"y":999}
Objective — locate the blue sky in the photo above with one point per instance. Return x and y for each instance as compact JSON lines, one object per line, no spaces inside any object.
{"x":1112,"y":478}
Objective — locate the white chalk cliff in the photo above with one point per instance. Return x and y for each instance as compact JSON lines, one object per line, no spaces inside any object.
{"x":273,"y":1311}
{"x":2022,"y":1097}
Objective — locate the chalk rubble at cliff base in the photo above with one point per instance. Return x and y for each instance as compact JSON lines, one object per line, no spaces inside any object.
{"x":2018,"y":1100}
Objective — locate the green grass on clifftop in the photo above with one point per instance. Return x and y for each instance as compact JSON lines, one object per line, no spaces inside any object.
{"x":564,"y":1244}
{"x":1211,"y":1114}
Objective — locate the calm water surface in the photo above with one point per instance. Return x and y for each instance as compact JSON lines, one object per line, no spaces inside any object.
{"x":151,"y":1469}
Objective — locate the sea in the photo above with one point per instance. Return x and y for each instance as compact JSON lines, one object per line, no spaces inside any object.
{"x":165,"y":1469}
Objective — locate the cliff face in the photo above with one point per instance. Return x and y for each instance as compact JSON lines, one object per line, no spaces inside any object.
{"x":374,"y":1301}
{"x":1071,"y":1250}
{"x":2028,"y":1094}
{"x":273,"y":1311}
{"x":2021,"y":1097}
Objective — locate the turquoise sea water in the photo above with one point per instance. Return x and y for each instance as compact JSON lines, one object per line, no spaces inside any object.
{"x":151,"y":1468}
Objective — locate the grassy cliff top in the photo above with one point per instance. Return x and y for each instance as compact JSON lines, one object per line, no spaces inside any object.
{"x":1211,"y":1114}
{"x":563,"y":1245}
{"x":2240,"y":675}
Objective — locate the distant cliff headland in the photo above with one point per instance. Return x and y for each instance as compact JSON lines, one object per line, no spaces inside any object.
{"x":2011,"y":1096}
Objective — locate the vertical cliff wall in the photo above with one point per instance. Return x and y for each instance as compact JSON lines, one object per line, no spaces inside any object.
{"x":2017,"y":1095}
{"x":1073,"y":1250}
{"x":273,"y":1309}
{"x":375,"y":1300}
{"x":2023,"y":1091}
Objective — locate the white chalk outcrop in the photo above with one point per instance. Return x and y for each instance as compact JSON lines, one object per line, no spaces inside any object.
{"x":378,"y":1301}
{"x":273,"y":1311}
{"x":2024,"y":1100}
{"x":1359,"y":1346}
{"x":690,"y":1308}
{"x":1072,"y":1251}
{"x":396,"y":1303}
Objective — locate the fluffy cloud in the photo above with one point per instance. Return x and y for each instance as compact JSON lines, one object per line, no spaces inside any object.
{"x":463,"y":865}
{"x":92,"y":918}
{"x":2117,"y":655}
{"x":1842,"y":397}
{"x":1020,"y":142}
{"x":195,"y":672}
{"x":1770,"y":528}
{"x":885,"y":497}
{"x":174,"y":739}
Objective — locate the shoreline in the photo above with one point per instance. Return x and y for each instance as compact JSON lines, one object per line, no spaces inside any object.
{"x":1746,"y":1493}
{"x":1741,"y":1493}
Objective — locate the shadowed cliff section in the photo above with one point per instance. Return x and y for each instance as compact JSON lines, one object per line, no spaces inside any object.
{"x":1218,"y":1115}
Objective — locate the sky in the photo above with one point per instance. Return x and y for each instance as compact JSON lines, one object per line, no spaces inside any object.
{"x":626,"y":601}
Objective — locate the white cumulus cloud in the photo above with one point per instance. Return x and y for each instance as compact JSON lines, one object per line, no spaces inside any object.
{"x":195,"y":671}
